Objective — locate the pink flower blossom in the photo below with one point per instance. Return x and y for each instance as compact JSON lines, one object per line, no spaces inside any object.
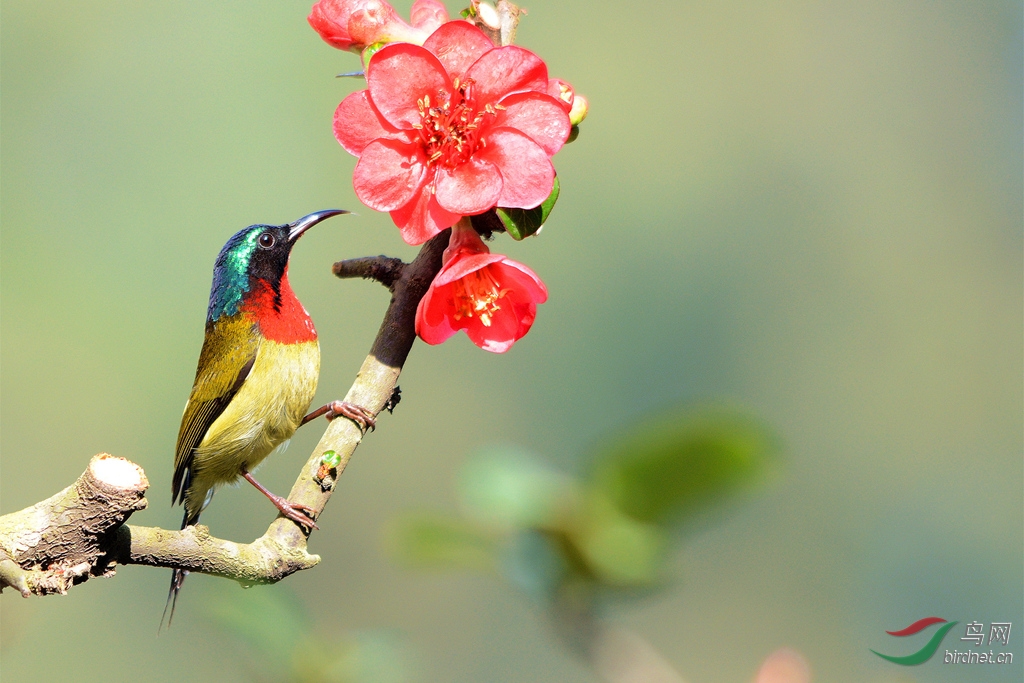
{"x":452,"y":129}
{"x":493,"y":298}
{"x":354,"y":24}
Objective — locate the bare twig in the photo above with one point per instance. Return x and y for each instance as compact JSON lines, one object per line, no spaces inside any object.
{"x":383,"y":269}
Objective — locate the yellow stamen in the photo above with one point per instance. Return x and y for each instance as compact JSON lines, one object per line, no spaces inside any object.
{"x":477,"y":295}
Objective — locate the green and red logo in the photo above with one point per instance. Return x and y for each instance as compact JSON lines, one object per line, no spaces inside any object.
{"x":926,"y":652}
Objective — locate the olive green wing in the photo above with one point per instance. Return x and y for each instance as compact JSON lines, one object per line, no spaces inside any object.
{"x":229,"y":351}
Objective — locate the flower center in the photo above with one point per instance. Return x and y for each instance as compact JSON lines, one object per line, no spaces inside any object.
{"x":477,"y":295}
{"x":450,"y":127}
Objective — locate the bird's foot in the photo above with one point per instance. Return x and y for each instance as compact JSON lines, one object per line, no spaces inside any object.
{"x":293,"y":511}
{"x":358,"y":414}
{"x":297,"y":512}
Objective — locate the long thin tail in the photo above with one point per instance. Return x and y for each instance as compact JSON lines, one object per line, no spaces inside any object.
{"x":177,"y":579}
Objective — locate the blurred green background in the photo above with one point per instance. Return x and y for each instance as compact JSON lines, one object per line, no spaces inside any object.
{"x":812,"y":210}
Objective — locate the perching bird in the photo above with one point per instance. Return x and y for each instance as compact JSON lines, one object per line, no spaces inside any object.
{"x":257,"y":375}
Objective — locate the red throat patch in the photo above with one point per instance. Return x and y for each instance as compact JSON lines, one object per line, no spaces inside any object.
{"x":287,"y":323}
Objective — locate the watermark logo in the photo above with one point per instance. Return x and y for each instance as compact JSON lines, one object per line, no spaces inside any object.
{"x":926,"y":652}
{"x":998,"y":634}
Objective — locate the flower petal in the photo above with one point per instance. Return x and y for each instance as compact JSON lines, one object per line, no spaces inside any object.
{"x":422,"y":217}
{"x":434,"y":314}
{"x":505,"y":70}
{"x":357,"y":124}
{"x":562,"y":92}
{"x":526,"y":172}
{"x":428,"y":15}
{"x":399,"y":75}
{"x":329,"y":18}
{"x":539,"y":116}
{"x":458,"y":44}
{"x":517,"y":308}
{"x":377,"y":22}
{"x":501,"y":334}
{"x":524,"y":280}
{"x":471,"y":187}
{"x":463,"y":264}
{"x":389,"y":174}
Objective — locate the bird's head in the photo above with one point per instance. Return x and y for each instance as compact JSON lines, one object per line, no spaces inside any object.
{"x":256,"y":254}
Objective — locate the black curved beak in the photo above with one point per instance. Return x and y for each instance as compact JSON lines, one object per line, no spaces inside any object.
{"x":300,"y":226}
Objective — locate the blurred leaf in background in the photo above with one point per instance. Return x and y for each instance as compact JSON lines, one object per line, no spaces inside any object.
{"x":278,"y":642}
{"x":610,"y":530}
{"x":570,"y":542}
{"x":670,"y":464}
{"x":428,"y":539}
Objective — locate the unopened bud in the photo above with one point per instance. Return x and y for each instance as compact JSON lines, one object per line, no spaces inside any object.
{"x":331,"y":459}
{"x":428,"y":15}
{"x":354,"y":24}
{"x":579,"y":110}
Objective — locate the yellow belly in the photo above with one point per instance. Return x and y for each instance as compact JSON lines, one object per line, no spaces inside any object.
{"x":264,"y":414}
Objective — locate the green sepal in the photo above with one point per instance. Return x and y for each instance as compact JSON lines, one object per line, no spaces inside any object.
{"x":331,"y":459}
{"x":521,"y":223}
{"x":468,"y":13}
{"x":369,"y":51}
{"x":574,"y":133}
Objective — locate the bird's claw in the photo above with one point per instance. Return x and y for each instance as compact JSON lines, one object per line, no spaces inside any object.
{"x":358,"y":414}
{"x":294,"y":512}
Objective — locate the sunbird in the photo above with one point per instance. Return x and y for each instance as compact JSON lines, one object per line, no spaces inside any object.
{"x":257,"y":375}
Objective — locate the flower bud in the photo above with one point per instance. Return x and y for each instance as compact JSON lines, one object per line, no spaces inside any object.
{"x":428,"y":15}
{"x":354,"y":24}
{"x":579,"y":110}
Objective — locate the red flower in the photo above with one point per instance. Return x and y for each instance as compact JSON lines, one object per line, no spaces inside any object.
{"x":451,"y":129}
{"x":354,"y":24}
{"x":490,"y":296}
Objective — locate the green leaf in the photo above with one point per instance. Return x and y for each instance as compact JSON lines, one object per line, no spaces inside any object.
{"x":574,"y":133}
{"x":619,"y":550}
{"x":506,"y":487}
{"x":669,"y":465}
{"x":442,"y":542}
{"x":521,"y":223}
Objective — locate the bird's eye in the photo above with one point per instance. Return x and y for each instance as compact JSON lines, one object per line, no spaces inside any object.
{"x":267,"y":240}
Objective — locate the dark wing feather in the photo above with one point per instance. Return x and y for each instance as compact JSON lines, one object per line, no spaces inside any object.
{"x":228,"y":354}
